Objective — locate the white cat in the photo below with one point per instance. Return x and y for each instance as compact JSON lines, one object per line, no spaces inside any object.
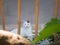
{"x":26,"y":30}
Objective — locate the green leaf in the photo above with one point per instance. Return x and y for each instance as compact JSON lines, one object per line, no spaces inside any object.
{"x":50,"y":28}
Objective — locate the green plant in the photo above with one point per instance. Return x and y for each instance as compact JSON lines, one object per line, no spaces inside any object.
{"x":50,"y":28}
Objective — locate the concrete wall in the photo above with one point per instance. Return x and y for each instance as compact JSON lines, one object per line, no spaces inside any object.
{"x":46,"y":11}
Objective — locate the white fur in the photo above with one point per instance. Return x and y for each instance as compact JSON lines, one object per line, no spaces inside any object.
{"x":26,"y":30}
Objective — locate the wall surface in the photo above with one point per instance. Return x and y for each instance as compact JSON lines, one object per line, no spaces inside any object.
{"x":46,"y":11}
